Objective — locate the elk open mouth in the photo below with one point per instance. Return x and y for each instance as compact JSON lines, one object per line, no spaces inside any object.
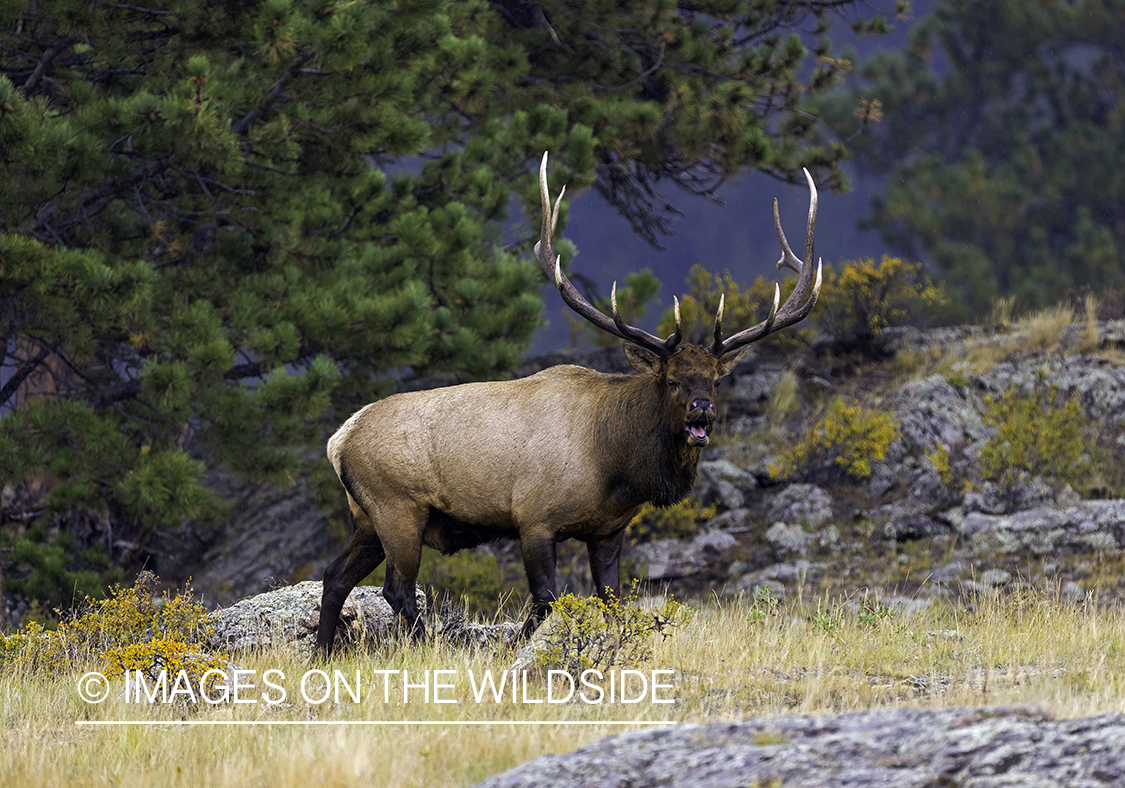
{"x":698,"y":431}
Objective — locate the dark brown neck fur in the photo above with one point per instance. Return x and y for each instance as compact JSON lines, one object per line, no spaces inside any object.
{"x":645,"y":456}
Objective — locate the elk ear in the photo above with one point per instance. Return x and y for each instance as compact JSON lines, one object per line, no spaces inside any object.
{"x":730,"y":361}
{"x":641,"y":359}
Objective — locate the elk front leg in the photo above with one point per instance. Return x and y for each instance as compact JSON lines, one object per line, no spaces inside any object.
{"x":604,"y":557}
{"x":539,"y":556}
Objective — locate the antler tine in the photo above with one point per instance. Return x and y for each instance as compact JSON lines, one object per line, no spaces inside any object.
{"x":552,"y":266}
{"x":800,"y":301}
{"x":719,"y":321}
{"x":543,"y":248}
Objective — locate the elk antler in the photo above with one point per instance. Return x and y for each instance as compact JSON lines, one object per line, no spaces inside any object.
{"x":799,"y":303}
{"x":551,"y":264}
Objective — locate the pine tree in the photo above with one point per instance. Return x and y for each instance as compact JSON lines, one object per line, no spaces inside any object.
{"x":223,"y":221}
{"x":1000,"y":130}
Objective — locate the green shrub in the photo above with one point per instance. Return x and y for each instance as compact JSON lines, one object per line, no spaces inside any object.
{"x":1035,"y":433}
{"x":586,"y":633}
{"x":48,"y":566}
{"x":765,"y":604}
{"x":847,"y":439}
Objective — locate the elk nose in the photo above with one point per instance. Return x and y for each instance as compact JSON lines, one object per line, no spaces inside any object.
{"x":703,"y":404}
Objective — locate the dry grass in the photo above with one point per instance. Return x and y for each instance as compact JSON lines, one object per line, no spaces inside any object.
{"x":736,"y":659}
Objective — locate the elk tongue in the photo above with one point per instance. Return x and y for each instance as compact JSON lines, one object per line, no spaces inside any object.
{"x":698,"y":431}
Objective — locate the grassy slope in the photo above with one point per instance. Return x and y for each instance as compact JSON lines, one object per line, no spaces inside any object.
{"x":735,"y":660}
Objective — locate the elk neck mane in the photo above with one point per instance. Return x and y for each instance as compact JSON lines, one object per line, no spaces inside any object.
{"x":643,"y":454}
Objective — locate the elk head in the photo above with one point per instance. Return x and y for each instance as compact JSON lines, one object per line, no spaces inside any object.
{"x":687,"y":374}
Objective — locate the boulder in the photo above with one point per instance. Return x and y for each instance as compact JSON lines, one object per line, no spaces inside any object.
{"x":289,"y":616}
{"x":671,"y":558}
{"x":804,"y":504}
{"x":887,"y":748}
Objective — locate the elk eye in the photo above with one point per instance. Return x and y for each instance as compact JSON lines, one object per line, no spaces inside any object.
{"x":672,"y":384}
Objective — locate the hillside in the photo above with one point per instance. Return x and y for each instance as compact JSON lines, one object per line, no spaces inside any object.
{"x":931,"y":519}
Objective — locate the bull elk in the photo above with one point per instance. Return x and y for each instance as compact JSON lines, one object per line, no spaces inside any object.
{"x":568,"y":453}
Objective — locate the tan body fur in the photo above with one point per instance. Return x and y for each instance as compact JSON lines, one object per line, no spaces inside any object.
{"x":499,"y":455}
{"x":566,"y":453}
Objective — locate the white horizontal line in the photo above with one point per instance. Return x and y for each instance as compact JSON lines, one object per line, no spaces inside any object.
{"x":371,"y":722}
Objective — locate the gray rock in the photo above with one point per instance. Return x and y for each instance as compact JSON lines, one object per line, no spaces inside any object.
{"x":671,"y":558}
{"x":1071,"y":593}
{"x":1086,"y":527}
{"x":755,"y":387}
{"x":932,"y":411}
{"x":887,"y":748}
{"x":927,"y":490}
{"x":951,"y":571}
{"x":911,"y":527}
{"x":289,"y":617}
{"x":735,"y":520}
{"x":992,"y":499}
{"x":806,"y":504}
{"x":789,"y":540}
{"x":724,"y":482}
{"x":995,"y":577}
{"x":881,"y":481}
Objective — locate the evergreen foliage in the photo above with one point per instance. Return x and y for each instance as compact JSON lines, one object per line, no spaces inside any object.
{"x":222,"y":222}
{"x":1000,"y":129}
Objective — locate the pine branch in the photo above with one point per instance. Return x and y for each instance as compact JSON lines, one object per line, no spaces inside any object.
{"x":14,"y":382}
{"x":276,"y":90}
{"x":45,"y":61}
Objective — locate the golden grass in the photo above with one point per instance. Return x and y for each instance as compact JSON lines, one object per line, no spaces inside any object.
{"x":736,"y":659}
{"x":785,"y":398}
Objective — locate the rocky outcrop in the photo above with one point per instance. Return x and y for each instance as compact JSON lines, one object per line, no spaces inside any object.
{"x":289,"y":616}
{"x":1083,"y":527}
{"x":888,"y":748}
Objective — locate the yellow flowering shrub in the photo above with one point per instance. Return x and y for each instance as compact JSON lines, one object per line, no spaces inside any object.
{"x":130,"y":630}
{"x":866,"y":297}
{"x":1034,"y":433}
{"x":585,"y":633}
{"x":673,"y":522}
{"x":847,"y":438}
{"x":939,"y":457}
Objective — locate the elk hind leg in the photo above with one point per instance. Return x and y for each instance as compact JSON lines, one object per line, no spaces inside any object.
{"x":404,"y":554}
{"x":361,"y":557}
